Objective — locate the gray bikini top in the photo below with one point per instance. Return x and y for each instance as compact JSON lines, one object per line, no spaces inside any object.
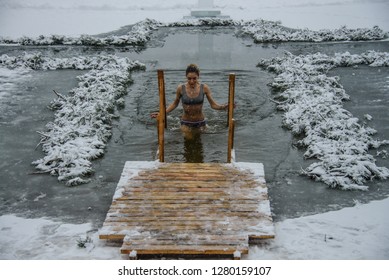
{"x":192,"y":101}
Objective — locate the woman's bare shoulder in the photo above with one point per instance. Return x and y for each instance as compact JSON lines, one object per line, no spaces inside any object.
{"x":179,"y":87}
{"x":206,"y":88}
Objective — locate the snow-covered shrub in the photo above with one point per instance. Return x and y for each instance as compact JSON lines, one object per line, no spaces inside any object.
{"x":312,"y":102}
{"x":82,"y":124}
{"x":138,"y":36}
{"x":260,"y":30}
{"x":272,"y":31}
{"x":210,"y":22}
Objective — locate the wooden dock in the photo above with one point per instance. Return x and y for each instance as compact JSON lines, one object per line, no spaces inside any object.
{"x":187,"y":209}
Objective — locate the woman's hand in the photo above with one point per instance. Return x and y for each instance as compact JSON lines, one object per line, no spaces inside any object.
{"x":225,"y":106}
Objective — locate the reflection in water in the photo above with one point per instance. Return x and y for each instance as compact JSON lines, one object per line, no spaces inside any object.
{"x":193,"y":147}
{"x":210,"y":51}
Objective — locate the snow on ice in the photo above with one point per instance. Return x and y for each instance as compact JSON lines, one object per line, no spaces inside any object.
{"x":272,"y":31}
{"x":260,"y":30}
{"x":312,"y":102}
{"x":82,"y":124}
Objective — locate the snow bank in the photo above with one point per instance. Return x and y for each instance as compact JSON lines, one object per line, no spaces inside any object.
{"x":352,"y":233}
{"x":312,"y":102}
{"x":272,"y":31}
{"x":203,"y":22}
{"x":137,"y":36}
{"x":82,"y":124}
{"x":260,"y":30}
{"x":44,"y":239}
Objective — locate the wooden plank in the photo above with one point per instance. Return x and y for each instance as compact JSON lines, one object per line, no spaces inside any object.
{"x":232,"y":217}
{"x":188,"y":206}
{"x":231,"y":223}
{"x":193,"y":169}
{"x":179,"y":185}
{"x":120,"y":236}
{"x":199,"y":178}
{"x":192,"y":201}
{"x":162,"y":236}
{"x":184,"y":206}
{"x":184,"y":196}
{"x":199,"y":190}
{"x":233,"y":241}
{"x":194,"y":183}
{"x":118,"y":233}
{"x":173,"y":215}
{"x":253,"y":238}
{"x":183,"y":250}
{"x":209,"y":227}
{"x":205,"y":165}
{"x":174,"y":168}
{"x":194,"y":190}
{"x":160,"y":206}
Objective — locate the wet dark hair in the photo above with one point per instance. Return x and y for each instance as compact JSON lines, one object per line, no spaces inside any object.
{"x":192,"y":68}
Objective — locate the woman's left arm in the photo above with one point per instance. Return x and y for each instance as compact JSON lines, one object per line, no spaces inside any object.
{"x":212,"y":102}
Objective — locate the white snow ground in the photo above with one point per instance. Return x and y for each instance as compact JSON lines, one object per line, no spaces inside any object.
{"x":359,"y":232}
{"x":354,"y":233}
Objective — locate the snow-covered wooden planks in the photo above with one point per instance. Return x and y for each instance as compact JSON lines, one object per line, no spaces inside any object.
{"x":189,"y":209}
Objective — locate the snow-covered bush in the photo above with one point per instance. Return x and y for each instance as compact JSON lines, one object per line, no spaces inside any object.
{"x":210,"y":22}
{"x":272,"y":31}
{"x":82,"y":124}
{"x":138,"y":36}
{"x":260,"y":30}
{"x":312,"y":102}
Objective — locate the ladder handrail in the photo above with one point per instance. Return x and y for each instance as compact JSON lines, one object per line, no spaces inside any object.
{"x":231,"y":97}
{"x":230,"y":120}
{"x":162,"y":122}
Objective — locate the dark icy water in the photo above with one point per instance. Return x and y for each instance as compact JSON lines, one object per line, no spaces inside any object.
{"x":259,"y":135}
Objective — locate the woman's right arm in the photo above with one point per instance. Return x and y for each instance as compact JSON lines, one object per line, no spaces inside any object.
{"x":173,"y":105}
{"x":176,"y":101}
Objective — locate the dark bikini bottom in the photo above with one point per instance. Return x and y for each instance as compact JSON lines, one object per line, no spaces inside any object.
{"x":194,"y":124}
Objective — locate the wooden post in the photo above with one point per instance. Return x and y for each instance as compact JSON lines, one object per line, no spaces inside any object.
{"x":231,"y":121}
{"x":231,"y":129}
{"x":161,"y":116}
{"x":231,"y":97}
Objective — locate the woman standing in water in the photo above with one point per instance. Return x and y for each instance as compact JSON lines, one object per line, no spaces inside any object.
{"x":192,"y":95}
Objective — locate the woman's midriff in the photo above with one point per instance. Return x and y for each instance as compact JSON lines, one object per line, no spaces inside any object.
{"x":193,"y":113}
